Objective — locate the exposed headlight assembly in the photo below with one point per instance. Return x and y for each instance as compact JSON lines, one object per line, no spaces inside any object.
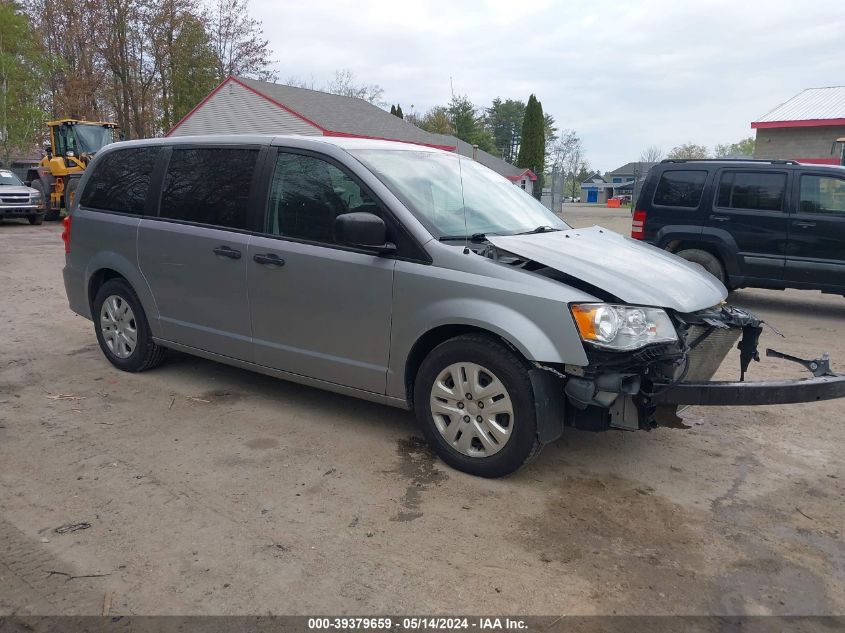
{"x":622,"y":328}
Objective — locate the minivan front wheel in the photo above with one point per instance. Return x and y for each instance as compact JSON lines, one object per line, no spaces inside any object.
{"x":475,"y":404}
{"x":122,"y":329}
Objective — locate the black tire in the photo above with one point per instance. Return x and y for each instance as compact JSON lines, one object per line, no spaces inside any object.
{"x":49,"y":215}
{"x":706,"y":260}
{"x":36,"y":218}
{"x":512,"y":371}
{"x":146,"y":354}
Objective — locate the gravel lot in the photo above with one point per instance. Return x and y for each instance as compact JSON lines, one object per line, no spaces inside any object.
{"x":212,"y":490}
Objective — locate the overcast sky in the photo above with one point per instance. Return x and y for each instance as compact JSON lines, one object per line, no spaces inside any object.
{"x":624,"y":74}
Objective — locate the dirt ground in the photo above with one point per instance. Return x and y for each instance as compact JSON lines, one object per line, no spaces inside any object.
{"x":212,"y":490}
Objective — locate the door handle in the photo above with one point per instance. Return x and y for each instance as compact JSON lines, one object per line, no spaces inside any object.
{"x":225,"y":251}
{"x":804,"y":224}
{"x":720,"y":218}
{"x":268,"y":259}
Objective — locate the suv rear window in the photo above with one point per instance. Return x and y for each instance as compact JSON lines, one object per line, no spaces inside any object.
{"x":752,"y":190}
{"x":120,"y":181}
{"x":208,"y":185}
{"x":680,"y":188}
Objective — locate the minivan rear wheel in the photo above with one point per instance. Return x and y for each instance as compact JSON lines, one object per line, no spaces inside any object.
{"x":475,"y":404}
{"x":122,"y":328}
{"x":706,"y":260}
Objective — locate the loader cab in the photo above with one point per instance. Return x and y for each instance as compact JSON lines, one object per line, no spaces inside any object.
{"x":75,"y":141}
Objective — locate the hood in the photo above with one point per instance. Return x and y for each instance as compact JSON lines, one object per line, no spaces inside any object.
{"x":17,"y":189}
{"x":635,"y":272}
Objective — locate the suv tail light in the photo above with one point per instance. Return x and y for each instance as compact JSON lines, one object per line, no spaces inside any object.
{"x":638,"y":225}
{"x":66,"y":233}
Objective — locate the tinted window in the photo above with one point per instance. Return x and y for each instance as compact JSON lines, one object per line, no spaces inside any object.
{"x":680,"y":188}
{"x":821,"y":194}
{"x":307,"y":195}
{"x":755,"y":191}
{"x":209,"y":186}
{"x":120,"y":181}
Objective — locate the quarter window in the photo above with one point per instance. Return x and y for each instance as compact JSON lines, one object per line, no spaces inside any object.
{"x":678,"y":188}
{"x":754,"y":191}
{"x":822,"y":194}
{"x":209,"y":186}
{"x":306,"y":196}
{"x":120,"y":181}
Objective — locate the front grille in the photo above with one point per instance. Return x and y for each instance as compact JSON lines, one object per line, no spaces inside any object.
{"x":705,"y":359}
{"x":14,"y":198}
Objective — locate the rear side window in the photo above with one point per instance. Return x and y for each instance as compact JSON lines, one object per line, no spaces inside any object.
{"x":752,"y":190}
{"x":822,"y":194}
{"x":120,"y":181}
{"x":680,"y":188}
{"x":209,"y":186}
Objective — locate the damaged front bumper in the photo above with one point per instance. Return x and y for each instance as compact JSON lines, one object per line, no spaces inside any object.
{"x":643,"y":389}
{"x":753,"y":393}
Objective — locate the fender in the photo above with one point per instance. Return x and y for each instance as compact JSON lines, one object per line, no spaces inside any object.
{"x":525,"y":335}
{"x":129,"y":270}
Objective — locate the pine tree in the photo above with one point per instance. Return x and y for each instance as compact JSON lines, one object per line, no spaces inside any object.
{"x":392,"y":109}
{"x":399,"y":112}
{"x":532,"y":149}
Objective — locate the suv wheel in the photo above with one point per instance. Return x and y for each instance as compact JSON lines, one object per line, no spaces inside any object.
{"x":122,"y":329}
{"x":475,"y":404}
{"x":36,"y":218}
{"x":706,"y":260}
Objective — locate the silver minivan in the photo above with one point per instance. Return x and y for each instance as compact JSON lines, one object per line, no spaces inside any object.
{"x":405,"y":275}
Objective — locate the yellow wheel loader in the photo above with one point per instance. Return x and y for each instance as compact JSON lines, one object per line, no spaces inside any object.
{"x":73,"y":143}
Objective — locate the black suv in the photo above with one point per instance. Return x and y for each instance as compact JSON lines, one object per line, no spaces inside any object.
{"x":764,"y":224}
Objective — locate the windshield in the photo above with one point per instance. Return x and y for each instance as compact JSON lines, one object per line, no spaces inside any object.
{"x":455,"y":196}
{"x":91,"y":138}
{"x":8,"y":178}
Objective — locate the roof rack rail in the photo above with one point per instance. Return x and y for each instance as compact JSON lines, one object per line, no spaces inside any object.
{"x":772,"y":161}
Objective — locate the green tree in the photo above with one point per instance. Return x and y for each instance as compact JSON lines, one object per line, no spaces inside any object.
{"x":437,"y":121}
{"x":504,"y":120}
{"x":532,"y":149}
{"x":194,"y":68}
{"x":469,"y":125}
{"x":21,"y":116}
{"x":745,"y":147}
{"x":399,"y":112}
{"x":689,"y":151}
{"x":392,"y":109}
{"x":550,"y":132}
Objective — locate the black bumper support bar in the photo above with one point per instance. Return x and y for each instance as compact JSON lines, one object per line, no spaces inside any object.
{"x":752,"y":393}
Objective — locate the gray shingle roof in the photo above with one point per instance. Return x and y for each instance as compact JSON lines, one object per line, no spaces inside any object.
{"x":351,"y":115}
{"x":630,"y":168}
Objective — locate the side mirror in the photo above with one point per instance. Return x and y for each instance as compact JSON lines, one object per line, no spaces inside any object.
{"x":362,"y":229}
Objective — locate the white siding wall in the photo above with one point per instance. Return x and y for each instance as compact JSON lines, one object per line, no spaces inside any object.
{"x":236,"y":110}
